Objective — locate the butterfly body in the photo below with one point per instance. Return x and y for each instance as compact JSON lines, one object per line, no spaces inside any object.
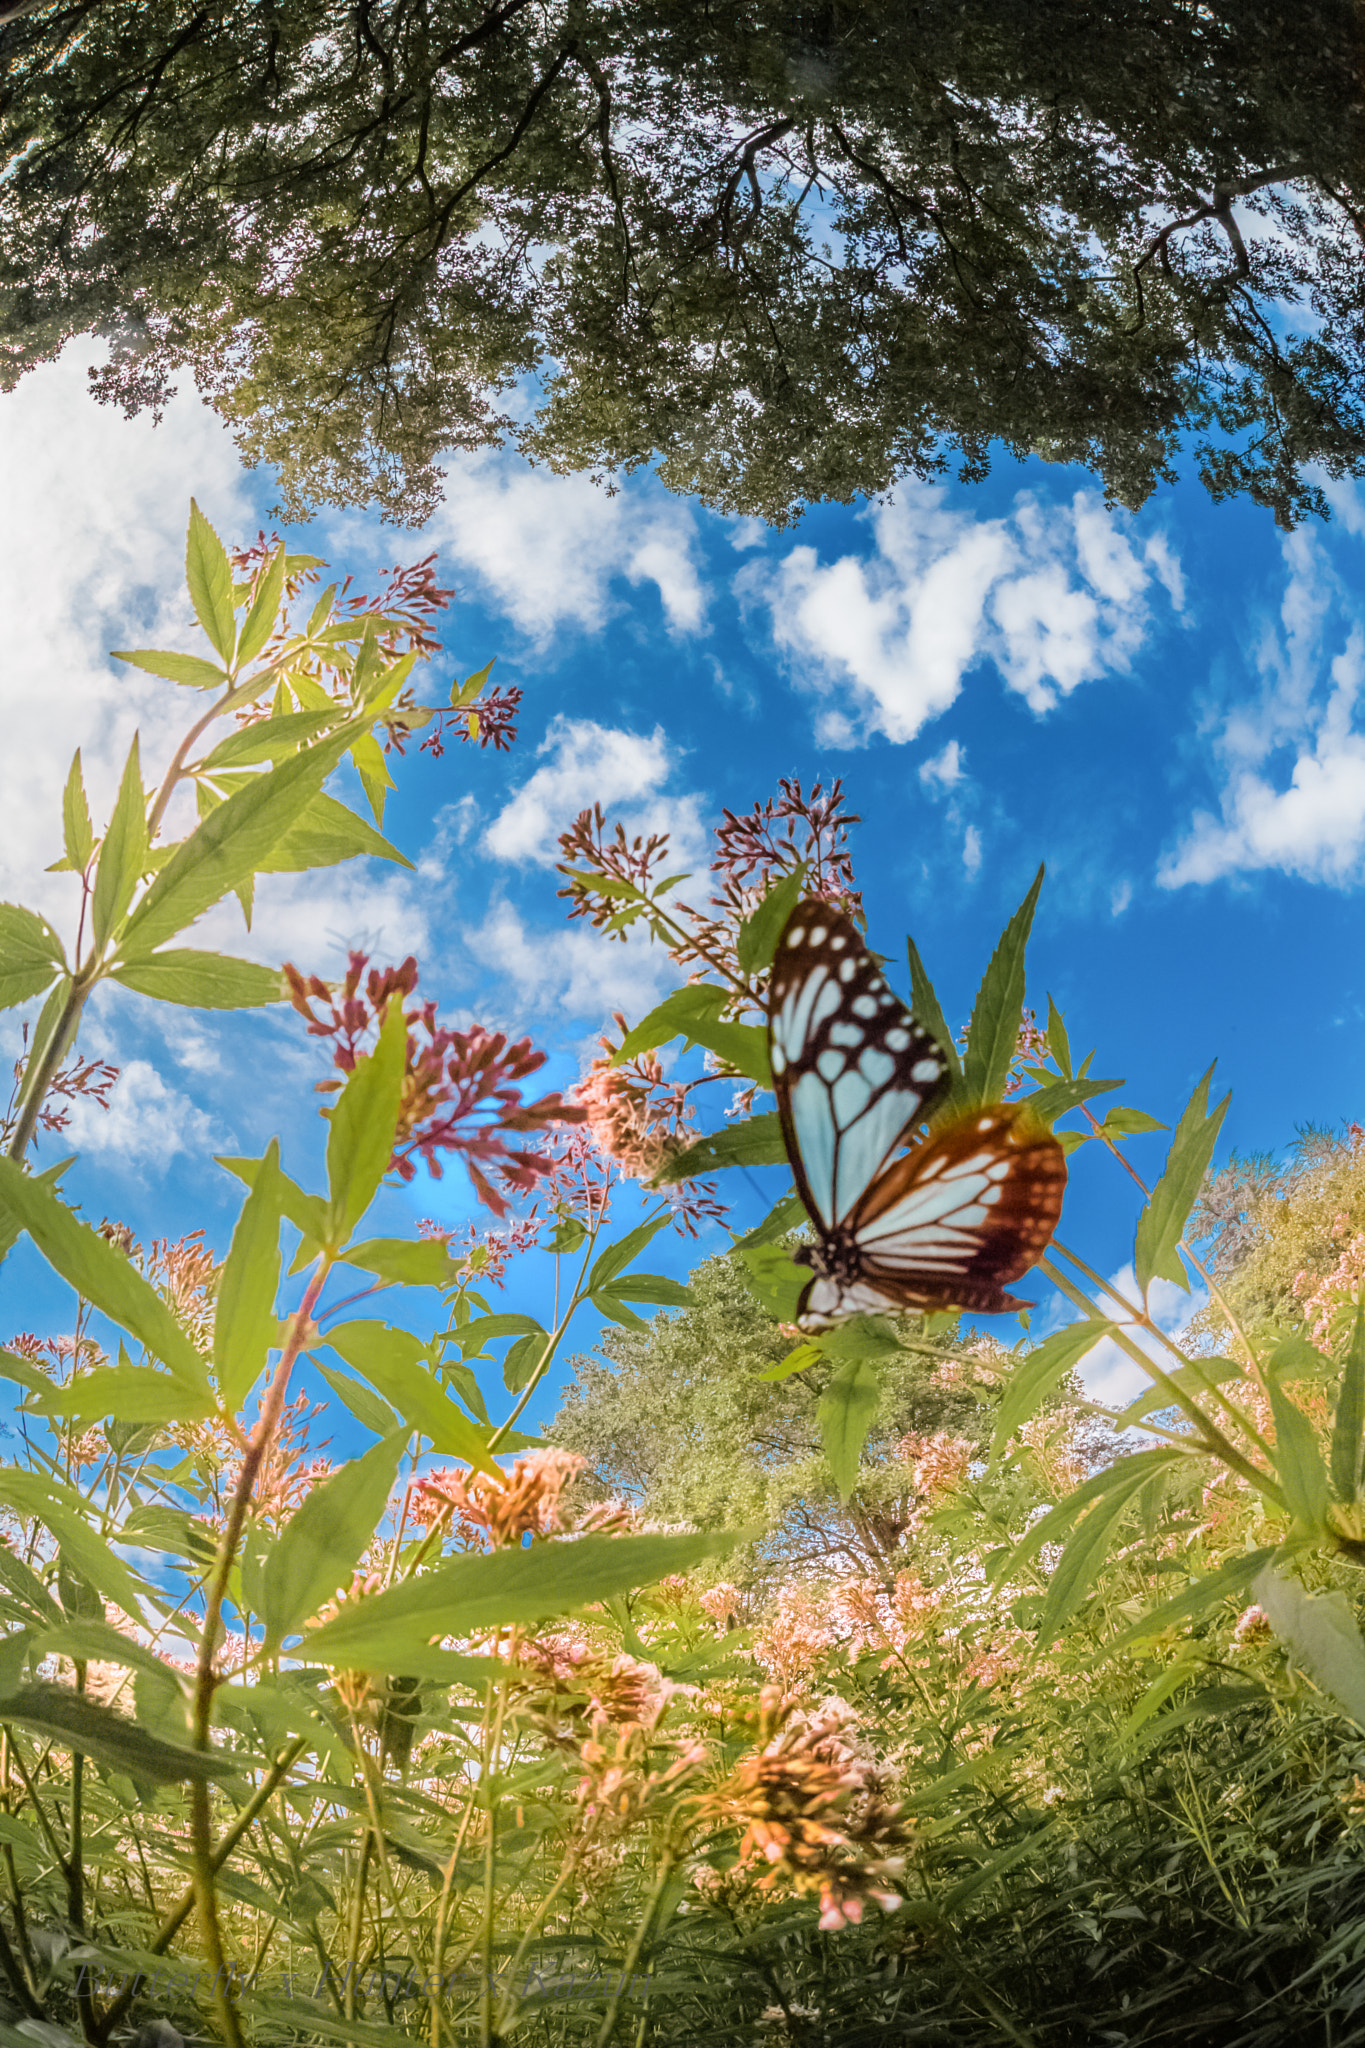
{"x":945,"y":1225}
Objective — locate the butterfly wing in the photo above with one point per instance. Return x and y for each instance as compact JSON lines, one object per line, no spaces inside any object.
{"x":949,"y":1225}
{"x":852,"y":1069}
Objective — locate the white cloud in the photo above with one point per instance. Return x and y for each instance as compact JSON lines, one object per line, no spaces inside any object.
{"x":573,"y":970}
{"x":589,"y":764}
{"x":1120,"y":898}
{"x":942,"y":770}
{"x":1292,"y":760}
{"x":147,"y":1122}
{"x":1108,"y":1374}
{"x":548,"y":548}
{"x":1055,"y":596}
{"x":971,"y":851}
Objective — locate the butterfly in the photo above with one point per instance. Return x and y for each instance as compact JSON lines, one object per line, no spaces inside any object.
{"x":946,"y":1224}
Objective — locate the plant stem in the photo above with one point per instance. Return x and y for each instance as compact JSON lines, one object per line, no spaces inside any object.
{"x":667,"y":1864}
{"x":38,"y":1079}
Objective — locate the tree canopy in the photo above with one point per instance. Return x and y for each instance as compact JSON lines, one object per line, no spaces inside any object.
{"x":787,"y":249}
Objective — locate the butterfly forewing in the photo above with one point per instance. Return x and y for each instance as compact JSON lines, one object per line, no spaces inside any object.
{"x":852,"y":1069}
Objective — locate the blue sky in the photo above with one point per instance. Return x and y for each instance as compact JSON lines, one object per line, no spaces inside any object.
{"x":1160,"y":706}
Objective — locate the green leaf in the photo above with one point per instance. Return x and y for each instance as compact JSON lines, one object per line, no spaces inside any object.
{"x":134,"y":1393}
{"x":25,"y":1374}
{"x":1122,"y":1122}
{"x":203,"y":981}
{"x":1321,"y":1630}
{"x":261,"y":618}
{"x":78,"y":834}
{"x":761,"y":930}
{"x":796,"y":1360}
{"x":846,"y":1412}
{"x":1294,"y":1358}
{"x":61,"y":1509}
{"x":523,"y":1359}
{"x":75,"y":1721}
{"x":1127,"y":1475}
{"x":470,"y":1594}
{"x":776,"y":1279}
{"x":1206,"y":1593}
{"x":10,"y":1225}
{"x":861,"y":1336}
{"x":228,"y":846}
{"x":30,"y":954}
{"x":655,"y":1288}
{"x":319,"y":1547}
{"x":1196,"y":1378}
{"x":758,"y":1141}
{"x":244,"y":1324}
{"x":785,"y":1216}
{"x":391,"y":1360}
{"x":268,"y":739}
{"x":404,"y":1261}
{"x":616,"y":1257}
{"x":473,"y":1336}
{"x":98,"y":1271}
{"x":361,"y":1127}
{"x":325,"y":833}
{"x":208,"y":575}
{"x":1298,"y":1461}
{"x":1058,"y":1044}
{"x":123,"y":856}
{"x":1348,"y":1427}
{"x":1035,"y":1376}
{"x":742,"y":1046}
{"x":176,"y":668}
{"x":1162,"y":1223}
{"x":367,"y":1408}
{"x":675,"y":1017}
{"x":994,"y":1030}
{"x":307,"y":1213}
{"x":152,"y":1526}
{"x":925,"y":1005}
{"x":1081,"y":1561}
{"x":1047,"y":1104}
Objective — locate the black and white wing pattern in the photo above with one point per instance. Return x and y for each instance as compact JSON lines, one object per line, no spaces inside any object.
{"x":852,"y":1069}
{"x":947,"y":1224}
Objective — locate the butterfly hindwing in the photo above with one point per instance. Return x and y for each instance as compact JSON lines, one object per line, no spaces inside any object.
{"x":851,"y":1068}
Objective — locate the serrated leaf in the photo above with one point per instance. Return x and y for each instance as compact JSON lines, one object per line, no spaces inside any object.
{"x":785,"y":1216}
{"x":993,"y":1033}
{"x":846,"y":1412}
{"x":616,"y":1257}
{"x":244,"y":1324}
{"x":1081,"y":1561}
{"x":133,"y":1393}
{"x":797,"y":1360}
{"x":228,"y":846}
{"x":471,"y":1594}
{"x":78,"y":834}
{"x":472,"y":1336}
{"x":675,"y":1017}
{"x":404,"y":1261}
{"x":1128,"y":1475}
{"x":758,"y":1141}
{"x":75,"y":1721}
{"x":269,"y":739}
{"x":324,"y":834}
{"x":260,"y":619}
{"x":523,"y":1359}
{"x":775,"y":1278}
{"x":201,"y":981}
{"x":30,"y":955}
{"x":928,"y":1012}
{"x":208,"y":576}
{"x":1321,"y":1630}
{"x":123,"y":855}
{"x":1298,"y":1461}
{"x":742,"y":1046}
{"x":175,"y":668}
{"x":319,"y":1547}
{"x":1162,"y":1223}
{"x":761,"y":930}
{"x":1058,"y":1044}
{"x":1122,"y":1122}
{"x":366,"y":1406}
{"x":1045,"y":1105}
{"x":99,"y":1272}
{"x":1207,"y":1593}
{"x":392,"y":1361}
{"x":655,"y":1288}
{"x":60,"y":1509}
{"x":361,"y":1128}
{"x":1348,"y":1426}
{"x":1196,"y":1377}
{"x":1035,"y":1376}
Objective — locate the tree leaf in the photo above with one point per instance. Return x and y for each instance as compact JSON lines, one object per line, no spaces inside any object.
{"x":360,"y":1131}
{"x":762,"y":928}
{"x":244,"y":1323}
{"x":176,"y":668}
{"x":1298,"y":1461}
{"x":846,"y":1412}
{"x":1348,"y":1427}
{"x":1162,"y":1223}
{"x":674,"y":1017}
{"x":78,"y":834}
{"x":203,"y":981}
{"x":133,"y":1393}
{"x":993,"y":1032}
{"x":405,"y":1261}
{"x":758,"y":1141}
{"x":925,"y":1005}
{"x":30,"y":954}
{"x":99,"y":1272}
{"x":1035,"y":1376}
{"x":256,"y":628}
{"x":323,"y":834}
{"x":208,"y":576}
{"x":471,"y":1594}
{"x":123,"y":856}
{"x":75,"y":1721}
{"x":227,"y":847}
{"x":366,"y":1406}
{"x":391,"y":1360}
{"x":320,"y":1545}
{"x":1321,"y":1630}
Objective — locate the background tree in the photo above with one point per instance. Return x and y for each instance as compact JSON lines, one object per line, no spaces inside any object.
{"x":793,"y":251}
